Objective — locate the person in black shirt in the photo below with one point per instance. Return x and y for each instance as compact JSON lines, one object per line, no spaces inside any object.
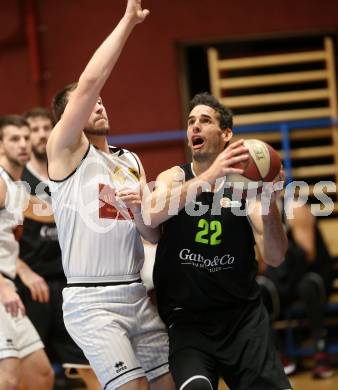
{"x":306,"y":277}
{"x":205,"y":267}
{"x":41,"y":278}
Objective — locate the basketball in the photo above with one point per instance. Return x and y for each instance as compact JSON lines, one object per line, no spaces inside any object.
{"x":263,"y":164}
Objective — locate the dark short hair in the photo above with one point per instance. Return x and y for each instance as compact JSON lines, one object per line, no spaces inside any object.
{"x":11,"y":120}
{"x":60,"y":100}
{"x":36,"y":112}
{"x":225,"y":114}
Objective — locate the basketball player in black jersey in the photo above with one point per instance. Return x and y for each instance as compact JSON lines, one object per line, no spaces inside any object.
{"x":41,"y":274}
{"x":205,"y":265}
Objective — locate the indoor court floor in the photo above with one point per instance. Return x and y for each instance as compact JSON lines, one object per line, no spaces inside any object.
{"x":304,"y":381}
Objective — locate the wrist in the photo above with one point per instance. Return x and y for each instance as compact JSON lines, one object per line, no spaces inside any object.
{"x":129,"y":19}
{"x":207,"y":176}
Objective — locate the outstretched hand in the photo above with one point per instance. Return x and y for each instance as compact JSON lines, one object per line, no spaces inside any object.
{"x":134,"y":10}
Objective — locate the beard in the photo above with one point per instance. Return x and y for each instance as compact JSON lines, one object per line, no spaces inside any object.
{"x":100,"y":132}
{"x":16,"y":163}
{"x":40,"y":155}
{"x":202,"y":156}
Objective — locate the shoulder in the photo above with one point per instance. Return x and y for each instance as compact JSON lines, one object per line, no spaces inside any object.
{"x":3,"y":190}
{"x":175,"y":173}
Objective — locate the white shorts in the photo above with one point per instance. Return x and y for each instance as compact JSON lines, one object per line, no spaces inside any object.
{"x":18,"y":337}
{"x":119,"y":331}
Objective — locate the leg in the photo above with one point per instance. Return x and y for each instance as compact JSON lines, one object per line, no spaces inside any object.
{"x":37,"y":371}
{"x":151,"y":345}
{"x":163,"y":382}
{"x":67,"y":352}
{"x":250,"y":361}
{"x":89,"y":378}
{"x":136,"y":384}
{"x":94,"y":321}
{"x":9,"y":373}
{"x":193,"y":370}
{"x":311,"y":290}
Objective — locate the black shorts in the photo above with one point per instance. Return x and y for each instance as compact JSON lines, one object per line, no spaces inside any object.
{"x":48,"y":321}
{"x":236,"y":344}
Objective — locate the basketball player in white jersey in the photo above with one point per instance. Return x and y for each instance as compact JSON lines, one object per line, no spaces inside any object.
{"x":22,"y":358}
{"x":96,"y":200}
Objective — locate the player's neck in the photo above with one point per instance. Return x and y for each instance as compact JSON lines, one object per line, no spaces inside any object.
{"x":39,"y":166}
{"x":199,"y":167}
{"x":99,"y":142}
{"x":14,"y":170}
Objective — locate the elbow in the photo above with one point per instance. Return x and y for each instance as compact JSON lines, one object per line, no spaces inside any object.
{"x":276,"y":259}
{"x":153,"y":236}
{"x":153,"y":240}
{"x":150,"y":220}
{"x":88,"y":82}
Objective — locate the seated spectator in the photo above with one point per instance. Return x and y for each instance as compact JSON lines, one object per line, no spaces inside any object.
{"x":306,"y":276}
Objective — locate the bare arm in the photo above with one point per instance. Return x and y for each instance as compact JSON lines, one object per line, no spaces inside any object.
{"x":67,"y":137}
{"x":10,"y":299}
{"x":269,"y":234}
{"x":36,"y":283}
{"x":303,"y":230}
{"x":172,"y":192}
{"x":132,"y":199}
{"x":3,"y":190}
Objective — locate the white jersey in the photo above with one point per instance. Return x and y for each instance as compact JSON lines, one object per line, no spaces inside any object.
{"x":10,"y":217}
{"x":98,"y":238}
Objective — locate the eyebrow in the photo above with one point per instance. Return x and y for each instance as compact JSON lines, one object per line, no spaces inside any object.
{"x":203,"y":115}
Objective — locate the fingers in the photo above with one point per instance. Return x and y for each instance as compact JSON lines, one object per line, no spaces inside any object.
{"x":145,"y":12}
{"x":237,"y":159}
{"x":40,"y":291}
{"x":15,"y":307}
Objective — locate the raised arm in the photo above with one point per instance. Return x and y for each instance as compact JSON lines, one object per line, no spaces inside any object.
{"x":67,"y":136}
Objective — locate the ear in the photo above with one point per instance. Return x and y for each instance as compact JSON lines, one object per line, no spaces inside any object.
{"x":227,"y":135}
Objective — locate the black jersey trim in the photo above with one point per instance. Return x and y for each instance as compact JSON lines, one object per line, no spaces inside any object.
{"x":6,"y":276}
{"x":115,"y":149}
{"x":138,"y":164}
{"x":72,"y":173}
{"x":124,"y":373}
{"x":103,"y":284}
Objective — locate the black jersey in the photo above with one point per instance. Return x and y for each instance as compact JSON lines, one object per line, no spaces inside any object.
{"x":39,"y":246}
{"x":208,"y":261}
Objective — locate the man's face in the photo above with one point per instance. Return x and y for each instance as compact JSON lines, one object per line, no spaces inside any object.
{"x":15,"y":144}
{"x":41,"y":128}
{"x":98,"y":123}
{"x":205,"y":137}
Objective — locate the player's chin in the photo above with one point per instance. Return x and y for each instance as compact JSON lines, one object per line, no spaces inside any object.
{"x":103,"y":131}
{"x":23,"y":160}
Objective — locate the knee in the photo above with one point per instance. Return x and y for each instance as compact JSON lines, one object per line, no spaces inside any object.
{"x":197,"y":382}
{"x":46,"y":377}
{"x":311,"y":287}
{"x":8,"y":382}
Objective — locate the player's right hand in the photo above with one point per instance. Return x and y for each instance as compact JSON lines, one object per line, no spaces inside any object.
{"x":11,"y":301}
{"x":235,"y":153}
{"x":135,"y":12}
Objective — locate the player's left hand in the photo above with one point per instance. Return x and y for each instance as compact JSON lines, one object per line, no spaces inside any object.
{"x":36,"y":284}
{"x":131,"y":198}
